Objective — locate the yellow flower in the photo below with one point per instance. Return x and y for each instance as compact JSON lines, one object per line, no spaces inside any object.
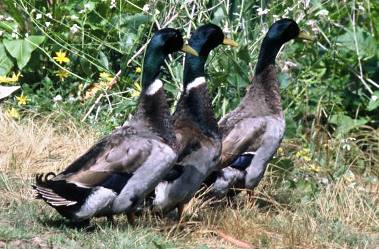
{"x":21,"y":100}
{"x":314,"y":168}
{"x":107,"y":80}
{"x":280,"y":151}
{"x":349,"y":177}
{"x":138,"y":70}
{"x":104,"y":76}
{"x":62,"y":74}
{"x":3,"y":79}
{"x":61,"y":57}
{"x":13,"y":79}
{"x":136,"y":91}
{"x":13,"y":113}
{"x":304,"y":154}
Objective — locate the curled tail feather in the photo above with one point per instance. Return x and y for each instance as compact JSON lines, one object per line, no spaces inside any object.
{"x":45,"y":191}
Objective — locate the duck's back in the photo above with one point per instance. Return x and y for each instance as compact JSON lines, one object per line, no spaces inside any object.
{"x":262,"y":98}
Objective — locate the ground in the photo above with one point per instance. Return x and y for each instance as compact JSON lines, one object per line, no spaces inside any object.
{"x":341,"y":216}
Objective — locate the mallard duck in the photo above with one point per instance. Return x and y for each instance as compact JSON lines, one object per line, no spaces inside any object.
{"x":195,"y":126}
{"x":257,"y":124}
{"x":115,"y":174}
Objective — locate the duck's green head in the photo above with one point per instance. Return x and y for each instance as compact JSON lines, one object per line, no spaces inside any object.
{"x":285,"y":30}
{"x":169,"y":40}
{"x":208,"y":37}
{"x":279,"y":33}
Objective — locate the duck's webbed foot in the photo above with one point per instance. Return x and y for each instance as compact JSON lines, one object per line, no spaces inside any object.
{"x":83,"y":225}
{"x":131,"y":218}
{"x":110,"y":219}
{"x":180,"y":208}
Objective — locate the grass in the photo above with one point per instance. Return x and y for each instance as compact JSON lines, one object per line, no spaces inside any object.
{"x":320,"y":192}
{"x":339,"y":216}
{"x":294,"y":207}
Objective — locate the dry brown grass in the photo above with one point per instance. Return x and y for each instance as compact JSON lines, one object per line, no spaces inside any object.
{"x":342,"y":216}
{"x":336,"y":219}
{"x":39,"y":145}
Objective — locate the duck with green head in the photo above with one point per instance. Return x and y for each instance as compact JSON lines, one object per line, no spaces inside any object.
{"x":116,"y":173}
{"x":253,"y":131}
{"x":195,"y":126}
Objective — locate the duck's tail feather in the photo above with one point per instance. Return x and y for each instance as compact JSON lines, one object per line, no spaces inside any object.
{"x":59,"y":193}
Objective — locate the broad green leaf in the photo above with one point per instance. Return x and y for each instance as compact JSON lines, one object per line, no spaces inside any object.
{"x":218,"y":15}
{"x":283,"y":80}
{"x":5,"y":62}
{"x":86,"y":66}
{"x":104,"y":60}
{"x":365,"y":42}
{"x":21,"y":49}
{"x":374,"y":101}
{"x":305,"y":186}
{"x":127,"y":41}
{"x":243,"y":54}
{"x":35,"y":40}
{"x":89,"y":6}
{"x":345,"y":123}
{"x":130,"y":23}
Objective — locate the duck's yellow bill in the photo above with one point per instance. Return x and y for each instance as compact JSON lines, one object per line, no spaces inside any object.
{"x":188,"y":49}
{"x":230,"y":42}
{"x":305,"y":36}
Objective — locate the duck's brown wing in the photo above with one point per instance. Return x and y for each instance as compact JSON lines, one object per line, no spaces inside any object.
{"x":119,"y":153}
{"x":240,"y":137}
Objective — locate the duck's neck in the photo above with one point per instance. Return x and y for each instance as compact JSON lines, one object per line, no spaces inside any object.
{"x":152,"y":108}
{"x":267,"y":54}
{"x":195,"y":103}
{"x":193,"y":68}
{"x":264,"y":93}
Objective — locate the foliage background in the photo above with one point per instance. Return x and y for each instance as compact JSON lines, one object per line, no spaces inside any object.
{"x":330,"y":88}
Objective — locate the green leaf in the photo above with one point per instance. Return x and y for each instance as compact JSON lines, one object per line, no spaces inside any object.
{"x":86,"y":66}
{"x":218,"y":15}
{"x":127,"y":41}
{"x":305,"y":186}
{"x":89,"y":6}
{"x":21,"y":49}
{"x":5,"y":62}
{"x":243,"y":54}
{"x":345,"y":123}
{"x":340,"y":171}
{"x":365,"y":42}
{"x":35,"y":40}
{"x":374,"y":101}
{"x":104,"y":60}
{"x":158,"y":246}
{"x":283,"y":80}
{"x":130,"y":23}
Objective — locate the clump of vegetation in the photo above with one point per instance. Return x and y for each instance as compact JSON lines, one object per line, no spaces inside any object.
{"x":79,"y":64}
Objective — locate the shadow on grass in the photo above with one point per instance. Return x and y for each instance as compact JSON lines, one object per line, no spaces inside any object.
{"x":61,"y":223}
